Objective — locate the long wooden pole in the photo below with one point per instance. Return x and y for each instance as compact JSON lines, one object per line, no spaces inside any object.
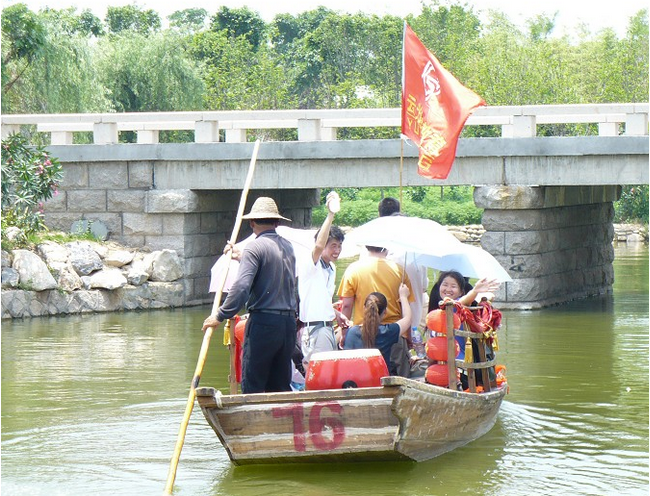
{"x":401,"y":168}
{"x":171,"y":475}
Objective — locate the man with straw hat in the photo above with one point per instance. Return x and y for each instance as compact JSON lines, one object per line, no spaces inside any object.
{"x":266,"y":284}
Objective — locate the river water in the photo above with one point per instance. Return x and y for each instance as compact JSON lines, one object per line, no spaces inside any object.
{"x":92,"y":405}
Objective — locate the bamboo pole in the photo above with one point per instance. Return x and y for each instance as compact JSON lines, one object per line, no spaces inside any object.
{"x":171,"y":475}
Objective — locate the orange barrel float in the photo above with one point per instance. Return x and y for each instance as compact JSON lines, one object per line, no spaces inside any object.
{"x":437,"y":321}
{"x":436,"y":348}
{"x":345,"y":368}
{"x":437,"y":374}
{"x":240,"y":328}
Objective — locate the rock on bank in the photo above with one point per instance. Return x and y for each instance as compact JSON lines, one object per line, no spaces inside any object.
{"x":83,"y":276}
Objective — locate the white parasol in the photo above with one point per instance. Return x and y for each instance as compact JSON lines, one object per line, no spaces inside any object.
{"x":425,"y":242}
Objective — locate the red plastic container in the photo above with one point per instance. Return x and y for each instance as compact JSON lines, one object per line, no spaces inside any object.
{"x":333,"y":369}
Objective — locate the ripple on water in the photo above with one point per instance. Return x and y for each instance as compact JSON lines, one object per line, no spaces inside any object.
{"x":571,"y":454}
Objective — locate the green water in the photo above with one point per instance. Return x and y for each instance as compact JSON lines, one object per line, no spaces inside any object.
{"x":92,"y":405}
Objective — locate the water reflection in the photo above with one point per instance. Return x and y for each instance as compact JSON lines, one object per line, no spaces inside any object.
{"x":92,"y":404}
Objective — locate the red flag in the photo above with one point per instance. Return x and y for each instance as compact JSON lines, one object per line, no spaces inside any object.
{"x":435,"y":107}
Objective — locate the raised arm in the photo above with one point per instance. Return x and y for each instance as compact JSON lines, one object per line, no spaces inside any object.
{"x":405,"y":322}
{"x":333,"y":203}
{"x":482,"y":286}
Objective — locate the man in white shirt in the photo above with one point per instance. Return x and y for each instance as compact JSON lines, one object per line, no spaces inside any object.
{"x":316,"y":283}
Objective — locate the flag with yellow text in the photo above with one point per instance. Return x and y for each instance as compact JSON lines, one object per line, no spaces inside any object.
{"x":435,"y":107}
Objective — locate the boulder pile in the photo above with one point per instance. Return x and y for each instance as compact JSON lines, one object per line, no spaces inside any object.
{"x":85,"y":276}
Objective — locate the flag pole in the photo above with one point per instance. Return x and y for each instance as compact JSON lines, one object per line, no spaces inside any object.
{"x":401,"y":167}
{"x":401,"y":139}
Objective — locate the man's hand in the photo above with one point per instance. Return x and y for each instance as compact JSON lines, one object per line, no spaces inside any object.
{"x":342,"y":320}
{"x":236,"y":252}
{"x":210,"y":322}
{"x":333,"y":202}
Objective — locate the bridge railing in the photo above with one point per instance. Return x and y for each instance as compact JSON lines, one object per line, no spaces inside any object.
{"x":517,"y":121}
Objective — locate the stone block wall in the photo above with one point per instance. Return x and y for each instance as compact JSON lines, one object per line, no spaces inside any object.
{"x":196,"y":224}
{"x":555,"y":242}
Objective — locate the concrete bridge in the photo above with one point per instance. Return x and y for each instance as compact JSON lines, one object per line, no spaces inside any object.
{"x":548,"y":200}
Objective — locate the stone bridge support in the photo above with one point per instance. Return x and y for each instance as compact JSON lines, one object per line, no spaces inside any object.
{"x":555,"y":241}
{"x":197,"y":224}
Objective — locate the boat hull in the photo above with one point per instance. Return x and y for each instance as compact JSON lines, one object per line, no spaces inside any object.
{"x":402,"y":420}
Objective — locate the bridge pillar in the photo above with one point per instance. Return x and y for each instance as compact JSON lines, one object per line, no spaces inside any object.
{"x":198,"y":224}
{"x":554,"y":241}
{"x":194,"y":223}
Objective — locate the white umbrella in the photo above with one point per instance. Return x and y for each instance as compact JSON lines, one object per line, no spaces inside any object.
{"x":401,"y":233}
{"x":427,"y":243}
{"x":470,"y":261}
{"x":302,"y":241}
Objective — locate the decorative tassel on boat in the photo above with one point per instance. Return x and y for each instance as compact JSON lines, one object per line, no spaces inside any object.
{"x":469,"y":354}
{"x":495,"y":341}
{"x":226,"y":333}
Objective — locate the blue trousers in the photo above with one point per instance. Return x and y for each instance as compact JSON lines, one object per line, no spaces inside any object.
{"x":269,"y":344}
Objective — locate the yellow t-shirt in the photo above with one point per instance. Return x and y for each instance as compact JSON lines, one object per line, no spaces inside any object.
{"x":373,"y":274}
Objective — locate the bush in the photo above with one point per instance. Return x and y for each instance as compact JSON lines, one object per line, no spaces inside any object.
{"x":29,"y":177}
{"x":359,"y":205}
{"x":633,"y":205}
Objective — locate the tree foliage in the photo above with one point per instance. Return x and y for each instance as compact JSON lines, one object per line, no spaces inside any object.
{"x":188,"y":20}
{"x":65,"y":61}
{"x":23,"y":37}
{"x":132,"y":18}
{"x":62,"y":73}
{"x":149,"y":73}
{"x":240,"y":22}
{"x":238,"y":76}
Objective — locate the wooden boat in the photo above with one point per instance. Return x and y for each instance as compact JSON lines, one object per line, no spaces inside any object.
{"x":394,"y":419}
{"x":404,"y":419}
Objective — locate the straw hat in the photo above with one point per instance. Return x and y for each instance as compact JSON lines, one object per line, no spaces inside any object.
{"x":264,"y":208}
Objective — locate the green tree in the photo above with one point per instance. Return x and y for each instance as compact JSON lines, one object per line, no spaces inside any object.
{"x":634,"y":59}
{"x":237,"y":76}
{"x":334,"y":63}
{"x":132,"y":18}
{"x":149,"y":72}
{"x":633,"y":204}
{"x":89,"y":24}
{"x":23,"y":37}
{"x":240,"y":22}
{"x":62,"y":75}
{"x":450,"y":33}
{"x":188,"y":20}
{"x":68,"y":21}
{"x":288,"y":30}
{"x":541,"y":26}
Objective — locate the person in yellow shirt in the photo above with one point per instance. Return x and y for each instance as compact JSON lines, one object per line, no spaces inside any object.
{"x":372,"y":274}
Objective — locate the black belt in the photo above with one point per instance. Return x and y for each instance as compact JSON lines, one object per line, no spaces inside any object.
{"x":291,"y":313}
{"x":320,"y":323}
